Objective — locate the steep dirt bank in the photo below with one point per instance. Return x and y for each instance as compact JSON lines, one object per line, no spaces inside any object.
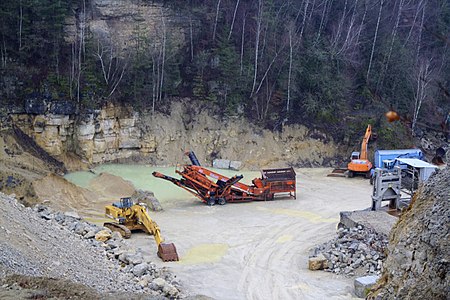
{"x":19,"y":169}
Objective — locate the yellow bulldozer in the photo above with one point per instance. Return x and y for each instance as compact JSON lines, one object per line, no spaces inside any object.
{"x":131,"y":216}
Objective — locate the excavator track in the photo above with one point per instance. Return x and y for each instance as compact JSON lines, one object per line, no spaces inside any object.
{"x":122,"y":229}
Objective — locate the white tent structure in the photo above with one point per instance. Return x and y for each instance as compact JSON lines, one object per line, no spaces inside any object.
{"x":423,"y":168}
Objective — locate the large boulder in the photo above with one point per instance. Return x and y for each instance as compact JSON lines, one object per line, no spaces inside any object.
{"x":221,"y":163}
{"x":103,"y":235}
{"x":148,"y":198}
{"x":318,"y":262}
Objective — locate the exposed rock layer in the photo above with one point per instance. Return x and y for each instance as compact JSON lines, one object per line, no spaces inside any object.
{"x":117,"y":133}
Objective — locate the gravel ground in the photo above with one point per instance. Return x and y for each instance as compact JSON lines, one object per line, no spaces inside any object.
{"x":44,"y":243}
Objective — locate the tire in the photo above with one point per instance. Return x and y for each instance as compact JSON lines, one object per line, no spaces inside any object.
{"x":221,"y":201}
{"x":350,"y":174}
{"x":211,"y":201}
{"x":368,"y":175}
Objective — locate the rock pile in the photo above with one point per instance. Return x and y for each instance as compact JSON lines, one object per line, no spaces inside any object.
{"x":41,"y":242}
{"x":355,"y":251}
{"x":148,"y":277}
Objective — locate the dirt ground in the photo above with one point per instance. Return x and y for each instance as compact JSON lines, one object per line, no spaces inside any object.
{"x":258,"y":250}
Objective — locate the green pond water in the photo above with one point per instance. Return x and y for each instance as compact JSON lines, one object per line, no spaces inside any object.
{"x":142,"y":178}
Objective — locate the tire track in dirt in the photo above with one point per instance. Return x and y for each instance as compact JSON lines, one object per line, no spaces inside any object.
{"x":272,"y":270}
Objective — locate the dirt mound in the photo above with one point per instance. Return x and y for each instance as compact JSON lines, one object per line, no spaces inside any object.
{"x":60,"y":194}
{"x":111,"y":186}
{"x":417,"y":266}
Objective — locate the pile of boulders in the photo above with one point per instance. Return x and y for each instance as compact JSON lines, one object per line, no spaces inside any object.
{"x":355,"y":251}
{"x":148,"y":277}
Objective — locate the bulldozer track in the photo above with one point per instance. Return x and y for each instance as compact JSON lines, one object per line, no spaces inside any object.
{"x":122,"y":229}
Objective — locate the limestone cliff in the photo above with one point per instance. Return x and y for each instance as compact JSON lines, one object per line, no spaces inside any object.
{"x":121,"y":24}
{"x":116,"y":133}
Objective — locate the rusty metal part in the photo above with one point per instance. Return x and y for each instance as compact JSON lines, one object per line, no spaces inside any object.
{"x":211,"y":187}
{"x":167,"y":252}
{"x":122,"y":229}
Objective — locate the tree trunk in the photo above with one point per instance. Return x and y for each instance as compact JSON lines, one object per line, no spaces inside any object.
{"x":217,"y":18}
{"x":258,"y":33}
{"x":289,"y":73}
{"x":234,"y":18}
{"x":241,"y":66}
{"x":374,"y":40}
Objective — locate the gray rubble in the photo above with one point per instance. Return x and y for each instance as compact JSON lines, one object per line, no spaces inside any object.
{"x":355,"y":251}
{"x":41,"y":242}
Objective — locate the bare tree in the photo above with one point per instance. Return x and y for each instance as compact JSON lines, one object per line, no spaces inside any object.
{"x":20,"y":24}
{"x":4,"y":53}
{"x":191,"y":37}
{"x":419,"y":38}
{"x":163,"y":55}
{"x":241,"y":65}
{"x":291,"y":48}
{"x":374,"y":40}
{"x":234,"y":18}
{"x":387,"y":59}
{"x":257,"y":37}
{"x":217,"y":18}
{"x":322,"y":19}
{"x":421,"y":92}
{"x":113,"y":68}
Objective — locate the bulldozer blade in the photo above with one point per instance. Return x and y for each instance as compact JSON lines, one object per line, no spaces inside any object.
{"x":167,"y":252}
{"x":338,"y":172}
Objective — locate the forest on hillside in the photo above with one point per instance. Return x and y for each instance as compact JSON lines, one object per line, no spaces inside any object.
{"x":318,"y":62}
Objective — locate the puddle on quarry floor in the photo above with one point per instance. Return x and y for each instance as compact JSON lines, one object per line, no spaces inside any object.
{"x":141,"y":177}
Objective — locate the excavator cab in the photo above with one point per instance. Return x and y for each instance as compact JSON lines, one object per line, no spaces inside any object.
{"x":355,"y":155}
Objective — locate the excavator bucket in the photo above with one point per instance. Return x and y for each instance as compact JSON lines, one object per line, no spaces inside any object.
{"x":167,"y":252}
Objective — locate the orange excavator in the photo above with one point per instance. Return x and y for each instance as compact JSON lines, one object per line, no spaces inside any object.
{"x":359,"y":163}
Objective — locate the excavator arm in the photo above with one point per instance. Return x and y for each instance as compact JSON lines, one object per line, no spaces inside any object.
{"x":166,"y":251}
{"x":148,"y":223}
{"x":364,"y":143}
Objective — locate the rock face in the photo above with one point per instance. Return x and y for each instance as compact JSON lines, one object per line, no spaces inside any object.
{"x":120,"y":23}
{"x":364,"y":284}
{"x":119,"y":134}
{"x":417,"y":266}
